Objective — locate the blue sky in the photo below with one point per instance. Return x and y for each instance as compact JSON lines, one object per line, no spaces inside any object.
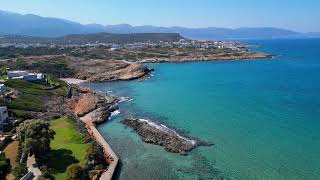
{"x":299,"y":15}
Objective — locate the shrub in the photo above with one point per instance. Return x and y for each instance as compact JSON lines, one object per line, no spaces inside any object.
{"x":20,"y":170}
{"x":95,"y":158}
{"x":21,"y":114}
{"x":45,"y":174}
{"x":4,"y":166}
{"x":4,"y":143}
{"x":74,"y":172}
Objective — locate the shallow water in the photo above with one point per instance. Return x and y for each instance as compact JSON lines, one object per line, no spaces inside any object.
{"x":262,"y":115}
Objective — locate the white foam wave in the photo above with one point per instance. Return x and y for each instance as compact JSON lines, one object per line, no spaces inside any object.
{"x":114,"y":113}
{"x":125,"y":99}
{"x":164,"y":128}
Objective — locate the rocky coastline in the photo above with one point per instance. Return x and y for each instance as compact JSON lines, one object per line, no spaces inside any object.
{"x":159,"y":134}
{"x":99,"y":105}
{"x":93,"y":108}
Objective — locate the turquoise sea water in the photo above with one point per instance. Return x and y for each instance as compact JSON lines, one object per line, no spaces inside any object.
{"x":262,"y":115}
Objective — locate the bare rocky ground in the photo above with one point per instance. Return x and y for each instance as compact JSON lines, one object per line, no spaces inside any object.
{"x":104,"y":70}
{"x":85,"y":101}
{"x":91,"y":70}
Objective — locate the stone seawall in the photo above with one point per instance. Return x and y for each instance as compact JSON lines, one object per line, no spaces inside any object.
{"x":110,"y":155}
{"x":94,"y":108}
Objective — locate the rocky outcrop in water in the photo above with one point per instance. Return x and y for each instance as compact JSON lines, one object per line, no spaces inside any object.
{"x":154,"y":133}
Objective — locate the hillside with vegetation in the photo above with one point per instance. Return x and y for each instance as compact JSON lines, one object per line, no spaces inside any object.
{"x":94,"y":38}
{"x":46,"y":131}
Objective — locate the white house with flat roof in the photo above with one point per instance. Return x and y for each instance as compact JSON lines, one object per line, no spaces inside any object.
{"x":25,"y":75}
{"x":3,"y":116}
{"x":16,"y":74}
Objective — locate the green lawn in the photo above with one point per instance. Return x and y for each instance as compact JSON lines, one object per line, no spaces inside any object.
{"x":36,"y":89}
{"x":67,"y":147}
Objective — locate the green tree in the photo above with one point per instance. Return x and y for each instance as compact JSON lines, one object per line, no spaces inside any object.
{"x":4,"y":166}
{"x":34,"y":138}
{"x":74,"y":172}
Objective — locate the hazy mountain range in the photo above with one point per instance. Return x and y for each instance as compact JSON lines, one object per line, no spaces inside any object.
{"x":33,"y":25}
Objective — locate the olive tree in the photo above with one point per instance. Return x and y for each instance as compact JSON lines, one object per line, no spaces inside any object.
{"x":34,"y":138}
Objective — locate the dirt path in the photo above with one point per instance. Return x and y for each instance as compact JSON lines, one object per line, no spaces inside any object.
{"x":110,"y":155}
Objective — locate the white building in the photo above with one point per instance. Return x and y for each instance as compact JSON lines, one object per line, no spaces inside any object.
{"x":3,"y":116}
{"x":16,"y":74}
{"x":33,"y":77}
{"x":25,"y":75}
{"x":2,"y":89}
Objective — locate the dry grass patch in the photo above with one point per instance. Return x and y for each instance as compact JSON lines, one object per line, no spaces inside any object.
{"x":11,"y":152}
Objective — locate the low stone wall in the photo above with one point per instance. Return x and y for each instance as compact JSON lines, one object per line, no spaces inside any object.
{"x":28,"y":176}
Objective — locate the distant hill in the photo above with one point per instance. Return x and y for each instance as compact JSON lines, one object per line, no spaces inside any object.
{"x":122,"y":38}
{"x":32,"y":25}
{"x":94,"y":38}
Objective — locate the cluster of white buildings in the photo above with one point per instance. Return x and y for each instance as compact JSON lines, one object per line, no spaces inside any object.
{"x":23,"y":45}
{"x":20,"y":75}
{"x":182,"y":43}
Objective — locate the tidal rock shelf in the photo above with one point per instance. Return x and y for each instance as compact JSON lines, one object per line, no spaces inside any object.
{"x":159,"y":134}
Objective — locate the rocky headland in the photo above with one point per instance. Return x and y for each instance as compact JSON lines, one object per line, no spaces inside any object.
{"x":104,"y":70}
{"x":159,"y":134}
{"x":83,"y":69}
{"x":209,"y":57}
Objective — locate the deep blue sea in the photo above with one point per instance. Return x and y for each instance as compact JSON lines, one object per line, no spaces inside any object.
{"x":262,"y":115}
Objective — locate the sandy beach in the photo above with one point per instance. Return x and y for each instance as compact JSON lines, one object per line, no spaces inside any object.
{"x":73,"y":80}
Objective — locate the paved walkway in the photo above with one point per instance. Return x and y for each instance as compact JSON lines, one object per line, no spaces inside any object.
{"x":110,"y":155}
{"x":33,"y":168}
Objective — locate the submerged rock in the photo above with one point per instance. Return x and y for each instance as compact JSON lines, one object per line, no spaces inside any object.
{"x":154,"y":133}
